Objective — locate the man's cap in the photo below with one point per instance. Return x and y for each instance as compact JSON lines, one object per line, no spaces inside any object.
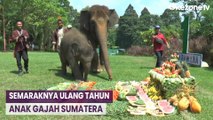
{"x":19,"y":23}
{"x":157,"y":26}
{"x":69,"y":26}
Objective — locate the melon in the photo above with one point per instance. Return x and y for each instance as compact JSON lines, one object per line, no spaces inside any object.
{"x":132,"y":98}
{"x":139,"y":102}
{"x":168,"y":109}
{"x":144,"y":97}
{"x":140,"y":90}
{"x":162,"y":103}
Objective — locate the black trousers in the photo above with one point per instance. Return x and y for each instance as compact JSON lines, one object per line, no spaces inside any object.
{"x":22,"y":54}
{"x":159,"y":55}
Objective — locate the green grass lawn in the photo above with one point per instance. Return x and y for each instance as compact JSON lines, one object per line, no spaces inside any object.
{"x":44,"y":68}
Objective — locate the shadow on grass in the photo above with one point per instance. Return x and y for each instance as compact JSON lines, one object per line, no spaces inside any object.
{"x":69,"y":76}
{"x":59,"y":73}
{"x":14,"y":72}
{"x":144,"y":67}
{"x":209,"y":69}
{"x":97,"y":75}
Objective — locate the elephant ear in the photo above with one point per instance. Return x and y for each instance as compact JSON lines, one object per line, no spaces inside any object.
{"x":84,"y":20}
{"x":113,"y":17}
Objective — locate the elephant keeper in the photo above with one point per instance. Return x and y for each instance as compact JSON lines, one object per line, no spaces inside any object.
{"x":20,"y":36}
{"x":58,"y":35}
{"x":159,"y":40}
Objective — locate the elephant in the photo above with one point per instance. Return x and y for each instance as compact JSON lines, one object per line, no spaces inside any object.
{"x":77,"y":52}
{"x":94,"y":23}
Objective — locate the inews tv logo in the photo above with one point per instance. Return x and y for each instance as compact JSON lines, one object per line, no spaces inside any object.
{"x":174,"y":6}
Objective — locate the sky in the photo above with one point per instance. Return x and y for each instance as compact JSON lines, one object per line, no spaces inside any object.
{"x":156,"y":7}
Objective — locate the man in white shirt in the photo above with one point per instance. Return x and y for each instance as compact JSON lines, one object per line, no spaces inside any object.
{"x":58,"y":35}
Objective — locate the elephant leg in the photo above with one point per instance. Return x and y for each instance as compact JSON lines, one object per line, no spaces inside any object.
{"x":81,"y":67}
{"x":63,"y":65}
{"x":101,"y":60}
{"x":76,"y":70}
{"x":95,"y":62}
{"x":64,"y":68}
{"x":86,"y":70}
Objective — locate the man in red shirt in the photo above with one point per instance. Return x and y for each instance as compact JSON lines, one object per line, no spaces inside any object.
{"x":20,"y":36}
{"x":158,"y":41}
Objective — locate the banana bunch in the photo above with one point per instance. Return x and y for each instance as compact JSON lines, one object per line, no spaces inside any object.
{"x":153,"y":93}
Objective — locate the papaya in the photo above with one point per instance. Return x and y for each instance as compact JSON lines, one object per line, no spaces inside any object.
{"x":194,"y":105}
{"x":175,"y":103}
{"x":192,"y":98}
{"x":173,"y":98}
{"x":147,"y":79}
{"x":187,"y":73}
{"x":183,"y":104}
{"x":115,"y":95}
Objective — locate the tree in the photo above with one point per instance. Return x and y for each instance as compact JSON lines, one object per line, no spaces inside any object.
{"x":128,"y":32}
{"x":39,"y":17}
{"x":42,"y":18}
{"x":73,"y":15}
{"x":206,"y":23}
{"x":170,"y":17}
{"x":145,"y":20}
{"x":197,"y":13}
{"x":207,"y":28}
{"x":112,"y":37}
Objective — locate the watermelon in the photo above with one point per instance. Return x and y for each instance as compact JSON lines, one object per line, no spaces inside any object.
{"x":162,"y":103}
{"x":122,"y":96}
{"x":143,"y":96}
{"x":166,"y":107}
{"x":139,"y":102}
{"x":132,"y":91}
{"x":150,"y":105}
{"x":132,"y":98}
{"x":140,"y":90}
{"x":138,"y":112}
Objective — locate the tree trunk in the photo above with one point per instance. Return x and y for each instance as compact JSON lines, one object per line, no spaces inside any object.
{"x":3,"y":30}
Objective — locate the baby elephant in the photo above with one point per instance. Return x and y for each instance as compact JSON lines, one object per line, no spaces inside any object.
{"x":76,"y":52}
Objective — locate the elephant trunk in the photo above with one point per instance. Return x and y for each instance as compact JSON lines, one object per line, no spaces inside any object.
{"x":102,"y":37}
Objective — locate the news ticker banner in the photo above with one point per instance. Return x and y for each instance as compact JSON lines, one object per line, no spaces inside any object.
{"x":57,"y":102}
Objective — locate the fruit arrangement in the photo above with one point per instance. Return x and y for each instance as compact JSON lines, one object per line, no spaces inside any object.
{"x":171,"y":70}
{"x":142,"y":98}
{"x":184,"y":99}
{"x":126,"y":89}
{"x":73,"y":86}
{"x":171,"y":77}
{"x":165,"y":106}
{"x":153,"y":91}
{"x":167,"y":88}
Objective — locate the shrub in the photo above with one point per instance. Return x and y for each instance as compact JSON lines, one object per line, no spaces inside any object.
{"x":203,"y":46}
{"x":140,"y":51}
{"x":208,"y":55}
{"x":198,"y":45}
{"x":175,"y":46}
